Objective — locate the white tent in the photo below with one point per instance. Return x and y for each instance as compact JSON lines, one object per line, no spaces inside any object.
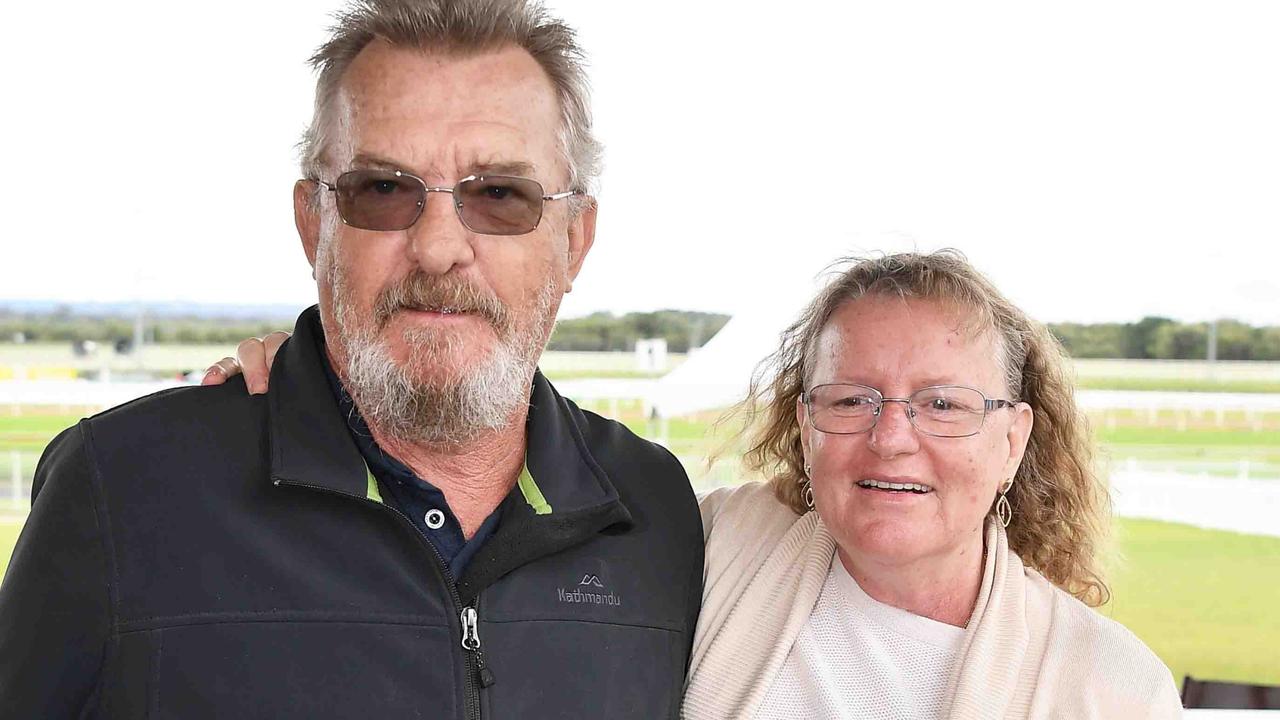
{"x":717,"y":375}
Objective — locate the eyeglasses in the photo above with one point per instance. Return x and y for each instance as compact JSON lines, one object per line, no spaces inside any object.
{"x":486,"y":204}
{"x":950,"y":411}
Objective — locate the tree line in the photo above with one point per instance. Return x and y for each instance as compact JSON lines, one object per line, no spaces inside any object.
{"x":1158,"y":338}
{"x":605,"y":331}
{"x":598,"y":332}
{"x":114,"y":329}
{"x":1149,"y":338}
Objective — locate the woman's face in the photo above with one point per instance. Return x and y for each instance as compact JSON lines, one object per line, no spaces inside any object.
{"x":898,"y":346}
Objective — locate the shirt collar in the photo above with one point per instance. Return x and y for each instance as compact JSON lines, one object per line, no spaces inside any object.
{"x":311,"y":445}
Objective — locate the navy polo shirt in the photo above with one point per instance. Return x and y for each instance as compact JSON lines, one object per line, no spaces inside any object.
{"x":420,"y":501}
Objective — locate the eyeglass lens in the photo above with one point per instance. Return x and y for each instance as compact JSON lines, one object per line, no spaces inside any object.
{"x":384,"y":200}
{"x":944,"y":411}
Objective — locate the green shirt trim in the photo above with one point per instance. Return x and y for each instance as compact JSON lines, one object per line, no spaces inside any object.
{"x":372,"y":493}
{"x":532,"y":494}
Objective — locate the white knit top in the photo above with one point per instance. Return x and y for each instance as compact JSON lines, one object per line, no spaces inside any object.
{"x":1030,"y":650}
{"x":859,"y":658}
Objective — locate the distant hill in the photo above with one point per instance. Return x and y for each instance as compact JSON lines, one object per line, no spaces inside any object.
{"x":604,"y":331}
{"x":151,"y":309}
{"x":51,"y":321}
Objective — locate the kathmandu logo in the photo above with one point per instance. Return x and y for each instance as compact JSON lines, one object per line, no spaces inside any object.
{"x":591,"y":591}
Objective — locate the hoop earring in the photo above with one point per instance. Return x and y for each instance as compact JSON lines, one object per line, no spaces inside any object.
{"x":806,"y":487}
{"x":1004,"y":511}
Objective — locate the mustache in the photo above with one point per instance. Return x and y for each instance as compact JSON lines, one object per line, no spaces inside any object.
{"x":420,"y":291}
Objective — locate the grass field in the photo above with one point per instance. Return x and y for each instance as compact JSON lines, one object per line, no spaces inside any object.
{"x":9,"y":530}
{"x":55,"y":360}
{"x":1227,"y":370}
{"x":1207,"y":602}
{"x":1179,"y":385}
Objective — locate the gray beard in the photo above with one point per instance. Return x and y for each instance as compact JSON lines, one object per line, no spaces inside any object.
{"x":394,"y":400}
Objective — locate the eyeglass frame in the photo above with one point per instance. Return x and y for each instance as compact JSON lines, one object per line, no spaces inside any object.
{"x":457,"y":204}
{"x":988,"y":405}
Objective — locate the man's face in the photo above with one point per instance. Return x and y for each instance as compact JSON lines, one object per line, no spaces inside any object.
{"x":438,"y":303}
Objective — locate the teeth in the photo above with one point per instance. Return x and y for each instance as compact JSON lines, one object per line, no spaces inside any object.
{"x":913,"y":487}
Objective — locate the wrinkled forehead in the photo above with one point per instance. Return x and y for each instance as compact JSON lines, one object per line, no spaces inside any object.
{"x":438,"y":111}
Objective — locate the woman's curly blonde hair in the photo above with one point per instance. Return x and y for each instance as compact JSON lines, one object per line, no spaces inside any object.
{"x":1061,"y":508}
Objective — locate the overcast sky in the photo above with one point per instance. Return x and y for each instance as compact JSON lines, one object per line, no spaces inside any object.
{"x":1101,"y":160}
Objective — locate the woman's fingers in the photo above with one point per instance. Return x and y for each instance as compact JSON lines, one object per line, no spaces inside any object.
{"x":221,"y":371}
{"x":252,"y":357}
{"x":272,"y":343}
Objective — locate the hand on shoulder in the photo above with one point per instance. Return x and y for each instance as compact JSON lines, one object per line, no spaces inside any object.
{"x":254,"y":358}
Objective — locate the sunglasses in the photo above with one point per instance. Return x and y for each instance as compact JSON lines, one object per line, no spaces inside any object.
{"x":389,"y":200}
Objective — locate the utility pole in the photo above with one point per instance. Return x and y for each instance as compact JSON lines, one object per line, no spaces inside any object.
{"x":139,"y":335}
{"x":1213,"y":341}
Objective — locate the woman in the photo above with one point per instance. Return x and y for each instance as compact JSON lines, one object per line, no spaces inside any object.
{"x":927,"y":545}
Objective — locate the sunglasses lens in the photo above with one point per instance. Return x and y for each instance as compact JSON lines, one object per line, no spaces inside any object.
{"x":499,"y":205}
{"x":379,"y":200}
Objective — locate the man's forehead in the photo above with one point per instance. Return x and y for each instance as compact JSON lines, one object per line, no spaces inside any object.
{"x":492,"y":111}
{"x":383,"y":77}
{"x":471,"y":163}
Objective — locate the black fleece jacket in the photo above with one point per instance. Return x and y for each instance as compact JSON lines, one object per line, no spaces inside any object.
{"x":203,"y":553}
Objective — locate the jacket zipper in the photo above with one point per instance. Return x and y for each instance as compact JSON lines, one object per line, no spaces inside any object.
{"x":471,"y":642}
{"x":476,"y":670}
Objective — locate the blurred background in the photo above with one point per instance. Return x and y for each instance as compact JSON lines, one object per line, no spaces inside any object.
{"x":1113,"y":166}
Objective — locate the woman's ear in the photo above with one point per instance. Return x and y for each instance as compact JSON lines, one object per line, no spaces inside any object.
{"x":1018,"y":436}
{"x":802,"y":421}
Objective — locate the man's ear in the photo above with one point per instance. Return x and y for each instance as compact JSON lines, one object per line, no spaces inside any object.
{"x":306,"y":216}
{"x":582,"y":235}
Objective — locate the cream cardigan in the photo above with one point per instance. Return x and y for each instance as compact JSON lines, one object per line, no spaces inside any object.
{"x":1030,"y":649}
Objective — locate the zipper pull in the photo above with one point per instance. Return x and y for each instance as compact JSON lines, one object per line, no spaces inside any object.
{"x":471,"y":642}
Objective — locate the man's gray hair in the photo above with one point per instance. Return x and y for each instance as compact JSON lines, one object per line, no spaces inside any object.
{"x":462,"y":27}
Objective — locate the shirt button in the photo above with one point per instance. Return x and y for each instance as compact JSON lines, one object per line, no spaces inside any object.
{"x":435,"y":519}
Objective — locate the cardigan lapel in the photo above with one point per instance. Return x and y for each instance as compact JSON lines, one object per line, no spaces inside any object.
{"x":985,"y":678}
{"x":740,"y":655}
{"x":781,"y":595}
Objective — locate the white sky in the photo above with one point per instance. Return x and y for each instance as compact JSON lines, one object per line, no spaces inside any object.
{"x":1101,"y":160}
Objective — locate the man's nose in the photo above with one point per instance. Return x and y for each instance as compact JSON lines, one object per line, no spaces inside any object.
{"x":439,"y":242}
{"x":893,"y":433}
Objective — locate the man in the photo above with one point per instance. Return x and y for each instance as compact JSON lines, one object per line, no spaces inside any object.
{"x":412,"y":523}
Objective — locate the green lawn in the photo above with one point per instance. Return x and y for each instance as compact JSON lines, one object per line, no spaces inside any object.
{"x":170,"y":360}
{"x":1207,"y":602}
{"x":1162,"y":384}
{"x":30,"y":433}
{"x":1196,"y":437}
{"x":9,"y":530}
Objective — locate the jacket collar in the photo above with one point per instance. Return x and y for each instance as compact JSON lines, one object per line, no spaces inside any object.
{"x":584,"y":501}
{"x":310,"y":443}
{"x":557,"y":455}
